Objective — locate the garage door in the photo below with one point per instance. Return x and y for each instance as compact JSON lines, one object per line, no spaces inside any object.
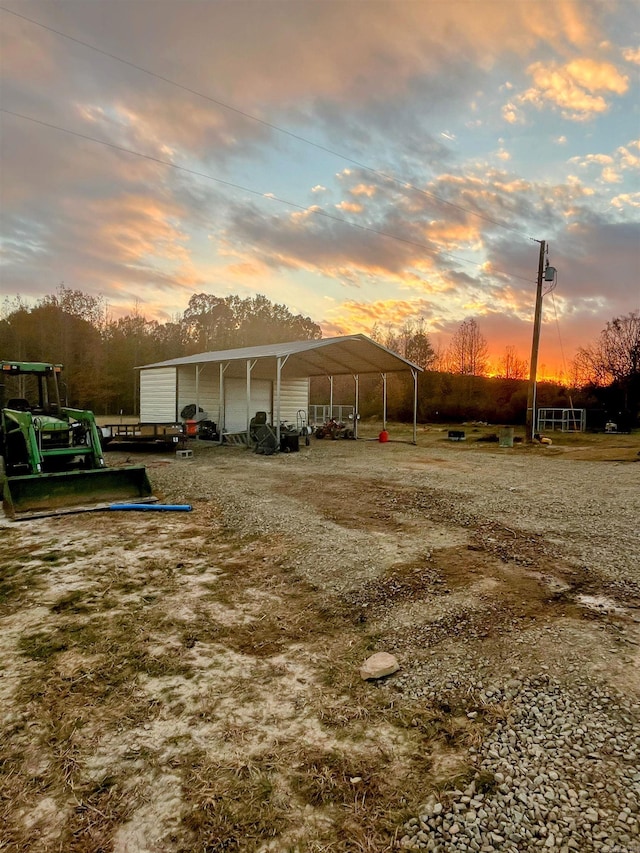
{"x":158,"y":395}
{"x":235,"y":403}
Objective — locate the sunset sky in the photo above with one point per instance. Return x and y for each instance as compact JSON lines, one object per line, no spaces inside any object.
{"x":361,"y":162}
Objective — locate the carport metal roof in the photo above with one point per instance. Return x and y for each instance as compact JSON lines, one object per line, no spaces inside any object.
{"x":348,"y":355}
{"x":351,"y":354}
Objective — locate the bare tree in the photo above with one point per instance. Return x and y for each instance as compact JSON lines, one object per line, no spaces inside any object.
{"x":614,"y":361}
{"x":386,"y":337}
{"x":411,"y":342}
{"x":511,"y":366}
{"x":468,"y":351}
{"x":615,"y":356}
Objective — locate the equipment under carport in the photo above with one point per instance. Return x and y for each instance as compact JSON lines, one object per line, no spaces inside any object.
{"x":265,"y":438}
{"x":208,"y":430}
{"x":289,"y":442}
{"x":334,"y":429}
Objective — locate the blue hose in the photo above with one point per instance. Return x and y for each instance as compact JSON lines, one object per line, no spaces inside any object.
{"x":153,"y":507}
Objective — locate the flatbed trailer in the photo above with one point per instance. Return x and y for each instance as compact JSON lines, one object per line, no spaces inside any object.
{"x":163,"y":435}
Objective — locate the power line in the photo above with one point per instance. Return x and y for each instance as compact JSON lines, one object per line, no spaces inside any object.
{"x":270,"y":125}
{"x":313,"y":210}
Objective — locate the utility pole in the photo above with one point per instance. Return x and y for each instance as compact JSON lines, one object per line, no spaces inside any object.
{"x":533,"y":365}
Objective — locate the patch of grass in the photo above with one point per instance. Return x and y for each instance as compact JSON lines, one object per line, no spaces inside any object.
{"x":104,"y":784}
{"x":368,"y":793}
{"x":325,"y":777}
{"x":84,"y":636}
{"x":129,"y":585}
{"x":19,"y":574}
{"x":233,"y":806}
{"x":54,"y":556}
{"x":101,"y":808}
{"x":486,"y":782}
{"x":496,"y":712}
{"x":438,"y":724}
{"x":164,"y":666}
{"x":72,"y":601}
{"x":336,"y":713}
{"x":42,"y":645}
{"x":8,"y":585}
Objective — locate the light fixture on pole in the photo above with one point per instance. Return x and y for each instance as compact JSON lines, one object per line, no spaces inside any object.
{"x":547,"y":274}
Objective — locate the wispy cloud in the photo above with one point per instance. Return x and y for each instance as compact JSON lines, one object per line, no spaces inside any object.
{"x":632,"y":55}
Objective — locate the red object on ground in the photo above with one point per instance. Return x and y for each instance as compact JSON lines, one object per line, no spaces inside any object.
{"x":384,"y":436}
{"x":192,"y":428}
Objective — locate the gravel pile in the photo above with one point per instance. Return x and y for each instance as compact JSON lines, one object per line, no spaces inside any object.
{"x":560,"y":773}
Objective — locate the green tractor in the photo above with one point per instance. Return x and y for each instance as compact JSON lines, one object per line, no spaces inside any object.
{"x":51,"y":458}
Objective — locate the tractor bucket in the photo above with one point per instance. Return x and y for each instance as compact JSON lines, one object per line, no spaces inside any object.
{"x":39,"y":495}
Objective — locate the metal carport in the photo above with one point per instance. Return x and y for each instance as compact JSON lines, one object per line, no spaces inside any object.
{"x":342,"y":356}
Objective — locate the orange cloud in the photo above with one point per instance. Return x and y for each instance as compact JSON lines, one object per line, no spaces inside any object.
{"x":132,"y":228}
{"x":624,"y":158}
{"x":360,"y":317}
{"x":629,"y":160}
{"x":611,"y":176}
{"x":350,"y":207}
{"x":624,"y":199}
{"x":364,"y":189}
{"x":450,"y":235}
{"x":578,"y":89}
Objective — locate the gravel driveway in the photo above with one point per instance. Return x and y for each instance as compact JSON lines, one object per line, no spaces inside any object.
{"x":506,"y":581}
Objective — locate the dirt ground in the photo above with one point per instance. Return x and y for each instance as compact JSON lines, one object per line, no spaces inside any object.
{"x":175,"y":682}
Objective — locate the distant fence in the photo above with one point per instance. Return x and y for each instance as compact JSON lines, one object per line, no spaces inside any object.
{"x":567,"y":420}
{"x":324,"y":413}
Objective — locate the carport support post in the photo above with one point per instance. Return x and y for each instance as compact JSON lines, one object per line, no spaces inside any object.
{"x":197,"y":390}
{"x":279,"y":365}
{"x":199,"y":368}
{"x":356,"y":379}
{"x":278,"y":383}
{"x":250,"y":366}
{"x":384,"y":400}
{"x":330,"y":398}
{"x":414,"y":373}
{"x":221,"y":403}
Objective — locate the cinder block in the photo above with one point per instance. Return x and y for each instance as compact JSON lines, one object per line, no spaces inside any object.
{"x":184,"y":454}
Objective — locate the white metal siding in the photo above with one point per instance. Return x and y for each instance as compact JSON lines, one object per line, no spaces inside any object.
{"x":208,"y":391}
{"x":235,"y":402}
{"x":158,"y":395}
{"x":163,"y":395}
{"x":294,"y":398}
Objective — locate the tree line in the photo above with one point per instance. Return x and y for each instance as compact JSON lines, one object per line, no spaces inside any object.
{"x":466,"y":355}
{"x":99,"y":354}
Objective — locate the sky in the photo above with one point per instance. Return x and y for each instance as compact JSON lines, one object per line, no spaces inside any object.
{"x":367,"y":163}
